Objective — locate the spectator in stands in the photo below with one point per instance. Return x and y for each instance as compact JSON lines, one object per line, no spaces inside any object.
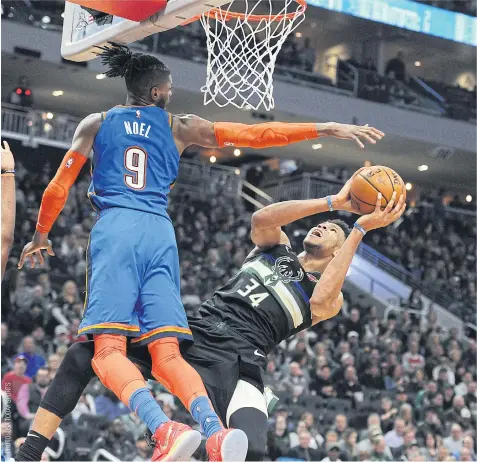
{"x":394,"y":377}
{"x":308,"y":56}
{"x":468,"y":443}
{"x":34,"y":361}
{"x":354,"y":323}
{"x":409,"y":441}
{"x":116,"y":441}
{"x":349,"y":446}
{"x":295,"y":378}
{"x":108,"y":404}
{"x":413,"y":360}
{"x":431,"y":424}
{"x":30,"y":394}
{"x":395,"y":438}
{"x":388,"y":412}
{"x":341,"y":425}
{"x":295,"y":436}
{"x":430,"y":451}
{"x":323,"y":385}
{"x":61,"y":337}
{"x":454,"y":413}
{"x":379,"y":450}
{"x":278,"y":438}
{"x":396,"y":65}
{"x":144,"y":452}
{"x":303,"y":450}
{"x":333,"y":452}
{"x":13,"y":380}
{"x":350,"y":388}
{"x":454,"y":442}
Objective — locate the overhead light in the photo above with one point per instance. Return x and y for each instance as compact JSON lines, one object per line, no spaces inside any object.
{"x":237,"y":152}
{"x":408,"y":186}
{"x":100,"y":76}
{"x":49,"y":115}
{"x":62,"y":15}
{"x":213,"y":159}
{"x":237,"y":171}
{"x":45,"y":20}
{"x":423,"y":168}
{"x":468,"y":198}
{"x":418,"y":64}
{"x":298,"y":35}
{"x":316,"y":146}
{"x":58,"y":93}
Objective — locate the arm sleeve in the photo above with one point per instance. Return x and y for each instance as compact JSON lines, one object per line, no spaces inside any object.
{"x":56,"y":193}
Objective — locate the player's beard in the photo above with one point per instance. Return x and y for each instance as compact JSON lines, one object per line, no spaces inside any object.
{"x":314,"y":250}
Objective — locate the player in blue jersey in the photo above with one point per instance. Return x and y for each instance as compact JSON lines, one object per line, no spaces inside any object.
{"x":133,"y":269}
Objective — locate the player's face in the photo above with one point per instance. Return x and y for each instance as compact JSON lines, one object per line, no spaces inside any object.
{"x":164,"y":93}
{"x":324,"y":240}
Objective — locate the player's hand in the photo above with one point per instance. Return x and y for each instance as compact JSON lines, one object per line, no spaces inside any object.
{"x":381,"y":218}
{"x":34,"y":249}
{"x":342,"y":200}
{"x":8,"y":162}
{"x":356,"y":132}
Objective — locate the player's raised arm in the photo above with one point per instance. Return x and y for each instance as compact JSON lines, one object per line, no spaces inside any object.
{"x":8,"y":202}
{"x":56,"y":193}
{"x":191,"y":129}
{"x":327,"y":299}
{"x":267,"y":222}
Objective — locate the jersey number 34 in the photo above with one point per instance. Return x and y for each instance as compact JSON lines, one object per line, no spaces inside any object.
{"x":255,"y":299}
{"x":135,"y":161}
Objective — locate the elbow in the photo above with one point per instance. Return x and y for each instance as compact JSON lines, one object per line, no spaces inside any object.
{"x":324,"y":308}
{"x":258,"y":219}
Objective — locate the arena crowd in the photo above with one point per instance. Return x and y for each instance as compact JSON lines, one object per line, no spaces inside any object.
{"x":357,"y":387}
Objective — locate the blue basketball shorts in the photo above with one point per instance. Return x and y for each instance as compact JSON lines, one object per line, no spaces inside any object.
{"x":133,"y":278}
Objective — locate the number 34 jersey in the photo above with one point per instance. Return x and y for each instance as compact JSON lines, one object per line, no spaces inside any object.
{"x":135,"y":160}
{"x":267,"y":300}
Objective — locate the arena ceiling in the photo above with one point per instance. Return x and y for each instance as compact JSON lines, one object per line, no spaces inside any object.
{"x":402,"y":154}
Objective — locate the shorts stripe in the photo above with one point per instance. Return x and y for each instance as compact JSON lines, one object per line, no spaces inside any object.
{"x":183,"y":331}
{"x":110,"y":326}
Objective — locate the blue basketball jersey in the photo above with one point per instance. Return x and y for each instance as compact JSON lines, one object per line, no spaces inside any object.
{"x":135,"y":160}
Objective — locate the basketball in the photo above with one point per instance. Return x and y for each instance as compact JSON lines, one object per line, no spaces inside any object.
{"x":371,"y":181}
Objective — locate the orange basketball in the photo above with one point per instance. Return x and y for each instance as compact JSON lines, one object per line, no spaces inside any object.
{"x":371,"y":181}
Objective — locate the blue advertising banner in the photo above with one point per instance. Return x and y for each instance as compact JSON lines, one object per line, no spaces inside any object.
{"x":409,"y":15}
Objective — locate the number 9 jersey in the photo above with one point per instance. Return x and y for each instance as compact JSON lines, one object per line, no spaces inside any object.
{"x":133,"y":277}
{"x":135,"y":160}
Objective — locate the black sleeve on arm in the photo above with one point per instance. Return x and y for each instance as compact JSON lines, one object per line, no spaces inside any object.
{"x":70,"y":380}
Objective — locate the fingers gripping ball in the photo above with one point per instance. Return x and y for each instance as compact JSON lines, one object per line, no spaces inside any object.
{"x":371,"y":181}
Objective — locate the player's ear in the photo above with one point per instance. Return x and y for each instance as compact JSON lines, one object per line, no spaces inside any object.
{"x":154,"y":93}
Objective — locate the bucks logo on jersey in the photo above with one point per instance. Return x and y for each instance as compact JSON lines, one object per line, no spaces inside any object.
{"x":284,"y":271}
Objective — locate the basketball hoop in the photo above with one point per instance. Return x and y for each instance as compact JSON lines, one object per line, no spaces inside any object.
{"x":242,"y":50}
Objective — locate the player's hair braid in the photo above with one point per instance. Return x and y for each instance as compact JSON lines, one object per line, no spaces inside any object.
{"x":118,"y":58}
{"x":123,"y":63}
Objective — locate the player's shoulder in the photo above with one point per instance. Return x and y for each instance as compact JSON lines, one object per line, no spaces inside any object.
{"x":277,"y":250}
{"x":91,"y":123}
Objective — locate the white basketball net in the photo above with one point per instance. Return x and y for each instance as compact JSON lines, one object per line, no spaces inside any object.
{"x":242,"y":52}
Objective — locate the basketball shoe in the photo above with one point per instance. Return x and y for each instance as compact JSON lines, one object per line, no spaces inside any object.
{"x":175,"y":442}
{"x":227,"y":445}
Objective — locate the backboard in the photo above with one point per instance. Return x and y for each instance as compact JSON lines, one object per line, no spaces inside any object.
{"x":82,"y":33}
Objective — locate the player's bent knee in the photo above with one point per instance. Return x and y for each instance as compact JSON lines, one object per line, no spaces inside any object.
{"x":254,"y":423}
{"x":78,"y":359}
{"x":107,"y":348}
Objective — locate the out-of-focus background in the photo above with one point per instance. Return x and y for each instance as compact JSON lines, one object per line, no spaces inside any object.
{"x":393,"y":377}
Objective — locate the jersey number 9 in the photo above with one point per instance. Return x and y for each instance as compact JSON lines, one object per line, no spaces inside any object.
{"x":135,"y":160}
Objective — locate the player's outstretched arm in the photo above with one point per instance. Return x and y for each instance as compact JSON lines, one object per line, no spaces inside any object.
{"x":55,"y":195}
{"x":327,"y":299}
{"x":267,"y":222}
{"x":8,"y":202}
{"x":191,"y":129}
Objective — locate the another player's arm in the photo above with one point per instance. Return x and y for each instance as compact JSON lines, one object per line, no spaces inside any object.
{"x":191,"y":129}
{"x":8,"y":202}
{"x":55,"y":195}
{"x":327,"y":298}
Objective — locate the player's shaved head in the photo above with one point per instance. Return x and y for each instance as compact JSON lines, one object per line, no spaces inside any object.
{"x":148,"y":79}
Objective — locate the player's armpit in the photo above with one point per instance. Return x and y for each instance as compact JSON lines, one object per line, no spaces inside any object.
{"x":326,"y":311}
{"x":190,"y":129}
